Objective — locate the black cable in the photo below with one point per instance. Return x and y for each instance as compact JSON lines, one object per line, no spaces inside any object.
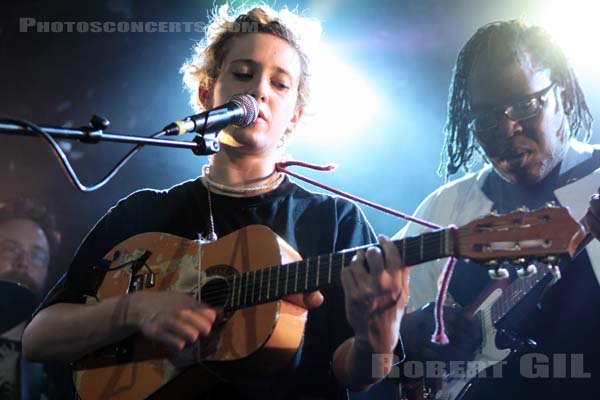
{"x":64,"y":161}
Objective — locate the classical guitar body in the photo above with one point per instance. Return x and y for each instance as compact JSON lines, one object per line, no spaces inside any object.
{"x":260,"y":338}
{"x":247,"y":273}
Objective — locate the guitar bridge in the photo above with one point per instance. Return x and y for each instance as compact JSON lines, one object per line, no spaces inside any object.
{"x":141,"y":282}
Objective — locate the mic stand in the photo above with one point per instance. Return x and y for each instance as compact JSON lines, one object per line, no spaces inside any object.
{"x":93,"y":134}
{"x":200,"y":145}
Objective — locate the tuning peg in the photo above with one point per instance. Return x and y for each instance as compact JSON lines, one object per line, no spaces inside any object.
{"x":551,"y":204}
{"x":552,"y":260}
{"x":494,"y":213}
{"x":527,"y":272}
{"x":519,"y":261}
{"x":498,"y":273}
{"x":523,"y":209}
{"x":555,"y":269}
{"x":491,"y":263}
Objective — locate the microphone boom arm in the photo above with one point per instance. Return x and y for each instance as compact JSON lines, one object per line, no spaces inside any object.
{"x":94,"y":135}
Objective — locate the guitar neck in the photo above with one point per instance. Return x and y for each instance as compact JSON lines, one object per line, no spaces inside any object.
{"x":515,"y":292}
{"x":248,"y":289}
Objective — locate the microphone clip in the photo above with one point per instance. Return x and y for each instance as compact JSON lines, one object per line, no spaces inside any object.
{"x":205,"y":145}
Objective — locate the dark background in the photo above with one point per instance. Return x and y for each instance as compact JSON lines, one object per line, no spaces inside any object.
{"x":404,"y":51}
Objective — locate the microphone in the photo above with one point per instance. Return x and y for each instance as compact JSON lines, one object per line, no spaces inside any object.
{"x":241,"y":111}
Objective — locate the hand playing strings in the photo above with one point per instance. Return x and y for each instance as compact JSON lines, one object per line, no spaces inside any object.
{"x":174,"y":319}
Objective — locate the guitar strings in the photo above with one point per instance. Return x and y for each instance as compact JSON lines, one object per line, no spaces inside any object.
{"x":238,"y":288}
{"x":323,"y":269}
{"x":422,"y":243}
{"x":254,"y":291}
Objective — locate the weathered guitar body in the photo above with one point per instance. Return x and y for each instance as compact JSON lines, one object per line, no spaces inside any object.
{"x":267,"y":334}
{"x":247,"y":273}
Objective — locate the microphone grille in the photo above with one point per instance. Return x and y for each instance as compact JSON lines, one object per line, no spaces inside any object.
{"x":250,"y":109}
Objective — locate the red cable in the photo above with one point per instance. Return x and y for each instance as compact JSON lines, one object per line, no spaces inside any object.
{"x":281,"y":167}
{"x":439,"y":336}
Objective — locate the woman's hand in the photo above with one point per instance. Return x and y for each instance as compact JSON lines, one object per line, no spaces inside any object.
{"x":174,"y":319}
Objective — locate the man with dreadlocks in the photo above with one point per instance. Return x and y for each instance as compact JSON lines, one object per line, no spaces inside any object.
{"x":515,"y":102}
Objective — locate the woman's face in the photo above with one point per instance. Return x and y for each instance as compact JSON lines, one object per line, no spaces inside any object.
{"x":268,"y":68}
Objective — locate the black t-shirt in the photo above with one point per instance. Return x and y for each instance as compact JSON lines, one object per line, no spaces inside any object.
{"x":564,"y":323}
{"x":23,"y":380}
{"x":10,"y":352}
{"x":311,"y":223}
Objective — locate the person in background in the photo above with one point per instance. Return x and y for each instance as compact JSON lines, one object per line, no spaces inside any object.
{"x":29,"y":242}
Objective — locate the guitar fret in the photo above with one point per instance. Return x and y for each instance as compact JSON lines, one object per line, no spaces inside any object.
{"x":296,"y":278}
{"x":246,"y":288}
{"x":287,"y":276}
{"x":421,"y":247}
{"x":260,"y":284}
{"x":253,"y":286}
{"x":404,"y":250}
{"x":306,"y":275}
{"x":233,"y":291}
{"x":329,"y":272}
{"x":269,"y":284}
{"x":407,"y":249}
{"x":240,"y":290}
{"x":442,"y":239}
{"x":318,"y":268}
{"x":277,"y":283}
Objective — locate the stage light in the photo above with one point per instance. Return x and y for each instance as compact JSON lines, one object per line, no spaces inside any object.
{"x":343,"y":103}
{"x":574,"y":25}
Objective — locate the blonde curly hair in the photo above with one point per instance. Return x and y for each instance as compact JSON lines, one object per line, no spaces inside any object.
{"x":202,"y":70}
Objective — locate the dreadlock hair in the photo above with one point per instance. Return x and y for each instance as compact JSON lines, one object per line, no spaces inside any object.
{"x":505,"y":42}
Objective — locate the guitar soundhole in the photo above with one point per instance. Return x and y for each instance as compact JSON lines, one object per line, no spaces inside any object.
{"x":215,"y":292}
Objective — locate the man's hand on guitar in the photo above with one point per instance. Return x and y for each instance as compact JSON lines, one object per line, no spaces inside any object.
{"x":591,"y":220}
{"x":376,"y":292}
{"x":464,"y":334}
{"x":174,"y":319}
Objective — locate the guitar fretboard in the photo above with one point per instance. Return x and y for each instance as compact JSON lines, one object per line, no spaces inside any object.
{"x":247,"y":289}
{"x":515,"y":292}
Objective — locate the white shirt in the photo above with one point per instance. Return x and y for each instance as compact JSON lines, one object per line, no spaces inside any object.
{"x":461,"y":201}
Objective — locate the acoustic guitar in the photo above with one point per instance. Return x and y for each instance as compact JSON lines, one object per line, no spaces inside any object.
{"x":248,"y":272}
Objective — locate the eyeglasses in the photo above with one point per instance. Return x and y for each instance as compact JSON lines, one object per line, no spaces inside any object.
{"x":10,"y":250}
{"x":523,"y":109}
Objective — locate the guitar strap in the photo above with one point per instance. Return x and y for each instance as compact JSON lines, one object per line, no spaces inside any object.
{"x":581,"y":170}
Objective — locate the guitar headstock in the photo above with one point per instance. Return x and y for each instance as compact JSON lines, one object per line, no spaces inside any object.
{"x":521,"y":236}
